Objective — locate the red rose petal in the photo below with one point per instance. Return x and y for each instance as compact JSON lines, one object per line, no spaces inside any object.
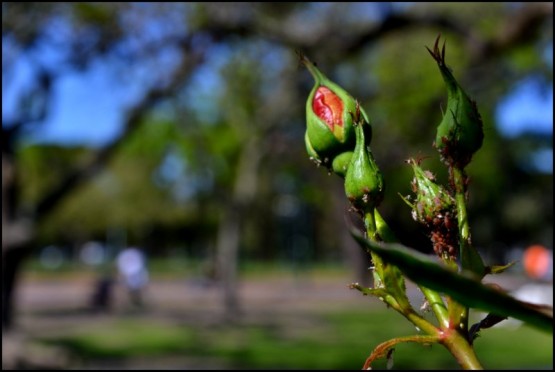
{"x":328,"y":107}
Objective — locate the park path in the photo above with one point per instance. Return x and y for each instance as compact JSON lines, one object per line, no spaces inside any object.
{"x":59,"y":306}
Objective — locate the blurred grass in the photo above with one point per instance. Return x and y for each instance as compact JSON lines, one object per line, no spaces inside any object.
{"x":336,"y":340}
{"x":325,"y":339}
{"x":127,"y":338}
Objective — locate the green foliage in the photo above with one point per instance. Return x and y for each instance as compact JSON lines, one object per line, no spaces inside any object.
{"x":127,"y":186}
{"x":249,"y":82}
{"x":41,"y":167}
{"x":128,"y":338}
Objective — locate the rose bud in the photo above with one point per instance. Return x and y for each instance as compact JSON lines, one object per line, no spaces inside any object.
{"x":364,"y":184}
{"x":329,"y":116}
{"x":341,"y":163}
{"x":436,"y":209}
{"x":460,"y":133}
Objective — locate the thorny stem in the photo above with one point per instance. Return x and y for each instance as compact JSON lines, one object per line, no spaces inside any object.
{"x":457,"y":344}
{"x":433,"y":298}
{"x":409,"y":313}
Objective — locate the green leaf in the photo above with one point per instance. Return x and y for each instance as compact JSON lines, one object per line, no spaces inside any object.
{"x":498,"y":269}
{"x":378,"y":292}
{"x":460,"y":286}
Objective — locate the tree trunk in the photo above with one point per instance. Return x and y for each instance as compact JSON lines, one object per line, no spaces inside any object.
{"x":15,"y":234}
{"x":232,"y":218}
{"x":11,"y":264}
{"x":227,"y":250}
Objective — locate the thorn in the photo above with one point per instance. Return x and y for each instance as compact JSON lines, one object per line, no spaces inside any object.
{"x":431,"y":53}
{"x":437,"y":54}
{"x":436,"y":43}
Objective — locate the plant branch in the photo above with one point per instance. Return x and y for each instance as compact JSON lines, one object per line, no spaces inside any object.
{"x":133,"y":120}
{"x":384,"y":349}
{"x":382,"y":274}
{"x":461,"y":349}
{"x":433,"y":297}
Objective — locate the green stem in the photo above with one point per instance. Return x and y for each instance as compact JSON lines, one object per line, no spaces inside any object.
{"x":371,"y":221}
{"x":461,"y":349}
{"x":420,"y":322}
{"x":383,"y":349}
{"x":371,"y":231}
{"x":458,"y":313}
{"x":451,"y":338}
{"x":433,"y":298}
{"x":470,"y":258}
{"x":438,"y":306}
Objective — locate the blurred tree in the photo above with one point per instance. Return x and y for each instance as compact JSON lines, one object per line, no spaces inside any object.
{"x":215,"y":89}
{"x":55,"y":38}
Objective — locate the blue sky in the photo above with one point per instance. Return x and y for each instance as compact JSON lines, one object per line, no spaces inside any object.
{"x":526,"y":109}
{"x":76,"y":96}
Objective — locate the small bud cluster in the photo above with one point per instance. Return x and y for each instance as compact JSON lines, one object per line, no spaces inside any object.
{"x":435,"y":208}
{"x":339,"y":133}
{"x":338,"y":136}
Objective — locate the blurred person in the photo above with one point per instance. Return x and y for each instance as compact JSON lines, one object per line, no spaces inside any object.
{"x":101,"y":298}
{"x":131,"y":264}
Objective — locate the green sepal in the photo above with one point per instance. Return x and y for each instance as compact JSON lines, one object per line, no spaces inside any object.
{"x":310,"y":150}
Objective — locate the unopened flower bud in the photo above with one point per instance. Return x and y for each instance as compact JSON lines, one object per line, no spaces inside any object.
{"x":436,"y":209}
{"x":341,"y":163}
{"x":364,"y":184}
{"x":460,"y":133}
{"x":329,"y":115}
